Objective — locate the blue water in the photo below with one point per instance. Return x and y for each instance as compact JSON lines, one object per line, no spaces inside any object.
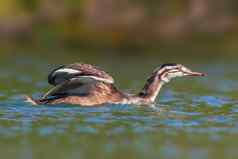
{"x":192,"y":118}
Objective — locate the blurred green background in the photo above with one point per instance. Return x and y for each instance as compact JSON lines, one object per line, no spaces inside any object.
{"x":197,"y":117}
{"x":177,"y":26}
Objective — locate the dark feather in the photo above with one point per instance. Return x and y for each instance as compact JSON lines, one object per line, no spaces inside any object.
{"x":56,"y":78}
{"x":167,"y":64}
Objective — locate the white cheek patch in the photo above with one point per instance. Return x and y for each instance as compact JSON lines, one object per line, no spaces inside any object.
{"x":164,"y":78}
{"x":170,"y":75}
{"x":167,"y":68}
{"x":173,"y":75}
{"x":184,"y":69}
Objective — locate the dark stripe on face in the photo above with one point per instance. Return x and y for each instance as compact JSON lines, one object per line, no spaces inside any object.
{"x":167,"y":64}
{"x":166,"y":71}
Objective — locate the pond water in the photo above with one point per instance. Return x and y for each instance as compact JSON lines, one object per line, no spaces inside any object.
{"x":194,"y":117}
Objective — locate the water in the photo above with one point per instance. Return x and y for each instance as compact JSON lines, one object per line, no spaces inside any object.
{"x":194,"y":118}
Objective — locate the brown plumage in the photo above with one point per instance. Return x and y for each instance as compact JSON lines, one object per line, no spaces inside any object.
{"x":98,"y":93}
{"x":86,"y":85}
{"x":58,"y":75}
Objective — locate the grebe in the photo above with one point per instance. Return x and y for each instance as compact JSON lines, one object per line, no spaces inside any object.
{"x":86,"y":85}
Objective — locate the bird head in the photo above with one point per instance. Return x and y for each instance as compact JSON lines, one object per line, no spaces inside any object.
{"x":168,"y":71}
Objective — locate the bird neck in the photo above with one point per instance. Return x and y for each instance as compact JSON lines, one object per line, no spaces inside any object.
{"x":151,"y":89}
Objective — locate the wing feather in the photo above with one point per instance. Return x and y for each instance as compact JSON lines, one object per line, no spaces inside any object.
{"x":76,"y":86}
{"x":78,"y":70}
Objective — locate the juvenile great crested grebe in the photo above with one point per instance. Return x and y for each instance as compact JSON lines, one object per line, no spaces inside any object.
{"x":87,"y":85}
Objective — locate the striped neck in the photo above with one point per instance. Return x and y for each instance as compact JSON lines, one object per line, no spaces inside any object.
{"x":151,"y":88}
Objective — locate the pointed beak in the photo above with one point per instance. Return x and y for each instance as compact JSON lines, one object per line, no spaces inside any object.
{"x":195,"y":74}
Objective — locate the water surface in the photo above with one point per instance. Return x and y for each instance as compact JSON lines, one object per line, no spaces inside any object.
{"x":194,"y":118}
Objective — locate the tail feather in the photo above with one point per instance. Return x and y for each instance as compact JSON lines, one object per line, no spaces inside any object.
{"x":29,"y":99}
